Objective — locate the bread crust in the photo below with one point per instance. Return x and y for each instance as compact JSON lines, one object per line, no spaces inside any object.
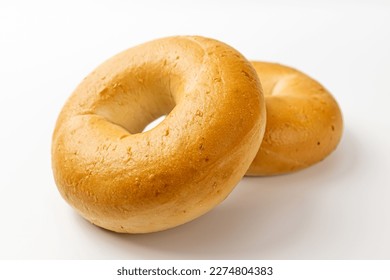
{"x":304,"y":121}
{"x":126,"y":180}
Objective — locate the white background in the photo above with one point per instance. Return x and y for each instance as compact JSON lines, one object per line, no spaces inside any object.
{"x":337,"y":209}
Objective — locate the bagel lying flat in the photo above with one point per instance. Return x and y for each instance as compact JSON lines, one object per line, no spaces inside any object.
{"x":127,"y":181}
{"x":304,"y":122}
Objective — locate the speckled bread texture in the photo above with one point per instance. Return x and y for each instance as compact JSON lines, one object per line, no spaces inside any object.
{"x":304,"y":121}
{"x":127,"y":181}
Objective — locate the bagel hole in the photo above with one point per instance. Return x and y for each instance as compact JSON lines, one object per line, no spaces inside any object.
{"x":154,"y":123}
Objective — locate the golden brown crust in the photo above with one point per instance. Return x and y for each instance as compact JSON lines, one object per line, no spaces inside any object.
{"x":304,"y":121}
{"x":128,"y":181}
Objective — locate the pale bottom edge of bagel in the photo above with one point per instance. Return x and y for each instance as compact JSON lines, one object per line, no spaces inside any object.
{"x":283,"y":166}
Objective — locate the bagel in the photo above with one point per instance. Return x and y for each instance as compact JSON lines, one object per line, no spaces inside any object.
{"x":304,"y":121}
{"x":126,"y":180}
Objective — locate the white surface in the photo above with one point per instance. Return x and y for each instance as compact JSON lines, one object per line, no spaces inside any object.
{"x":339,"y":208}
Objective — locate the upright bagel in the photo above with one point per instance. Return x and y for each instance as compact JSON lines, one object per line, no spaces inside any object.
{"x":126,"y":180}
{"x":304,"y":122}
